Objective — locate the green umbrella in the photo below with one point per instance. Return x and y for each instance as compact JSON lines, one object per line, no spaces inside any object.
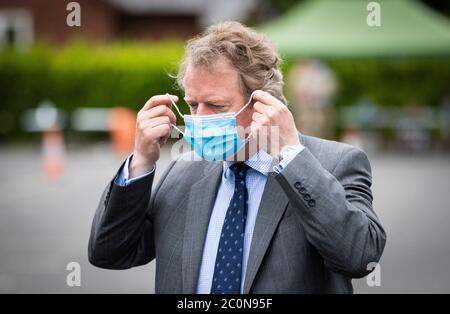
{"x":330,"y":29}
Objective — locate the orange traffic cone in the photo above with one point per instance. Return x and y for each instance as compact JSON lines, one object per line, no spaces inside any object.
{"x":53,"y":152}
{"x":122,"y":123}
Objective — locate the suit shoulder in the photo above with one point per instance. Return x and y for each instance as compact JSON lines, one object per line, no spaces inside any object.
{"x":329,"y":152}
{"x":315,"y":143}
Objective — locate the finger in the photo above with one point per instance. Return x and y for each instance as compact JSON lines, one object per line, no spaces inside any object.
{"x":257,"y":116}
{"x":260,"y":107}
{"x":268,"y":113}
{"x":153,"y":112}
{"x":154,"y":122}
{"x":159,"y":132}
{"x":172,"y":117}
{"x":254,"y":128}
{"x":157,"y":111}
{"x":266,"y":98}
{"x":159,"y":100}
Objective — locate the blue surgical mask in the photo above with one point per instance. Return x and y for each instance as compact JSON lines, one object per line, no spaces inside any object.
{"x":215,"y":136}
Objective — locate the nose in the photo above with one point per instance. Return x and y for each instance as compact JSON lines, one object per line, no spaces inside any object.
{"x":203,"y":109}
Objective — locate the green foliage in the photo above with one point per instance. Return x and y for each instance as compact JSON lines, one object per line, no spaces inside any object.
{"x":389,"y":82}
{"x":393,"y":82}
{"x":83,"y":75}
{"x":121,"y":75}
{"x":127,"y":74}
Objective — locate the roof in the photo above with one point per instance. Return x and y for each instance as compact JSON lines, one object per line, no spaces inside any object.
{"x":209,"y":11}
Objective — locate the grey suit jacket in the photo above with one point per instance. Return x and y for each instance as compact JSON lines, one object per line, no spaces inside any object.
{"x":315,"y":228}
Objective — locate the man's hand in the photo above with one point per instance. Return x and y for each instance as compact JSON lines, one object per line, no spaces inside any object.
{"x":270,"y":112}
{"x":153,"y":128}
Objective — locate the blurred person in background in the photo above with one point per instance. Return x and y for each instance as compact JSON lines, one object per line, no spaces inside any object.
{"x":444,"y":118}
{"x":314,"y":86}
{"x":295,"y":217}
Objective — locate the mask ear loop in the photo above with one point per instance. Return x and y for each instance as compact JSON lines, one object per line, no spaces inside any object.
{"x":246,"y":105}
{"x":242,"y":109}
{"x":179,"y":112}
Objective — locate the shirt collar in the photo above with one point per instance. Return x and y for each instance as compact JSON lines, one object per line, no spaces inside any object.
{"x":260,"y":161}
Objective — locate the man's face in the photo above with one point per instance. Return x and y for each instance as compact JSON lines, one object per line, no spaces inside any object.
{"x":216,"y":90}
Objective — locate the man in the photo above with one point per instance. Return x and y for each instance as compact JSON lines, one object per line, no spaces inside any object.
{"x":296,"y":217}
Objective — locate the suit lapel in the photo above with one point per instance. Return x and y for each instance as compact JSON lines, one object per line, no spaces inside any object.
{"x":200,"y":203}
{"x":199,"y":207}
{"x":273,"y":204}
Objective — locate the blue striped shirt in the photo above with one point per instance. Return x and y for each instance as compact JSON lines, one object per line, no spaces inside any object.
{"x":260,"y":165}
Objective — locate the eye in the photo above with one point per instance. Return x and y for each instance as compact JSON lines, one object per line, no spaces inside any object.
{"x":192,"y":106}
{"x":217,"y":107}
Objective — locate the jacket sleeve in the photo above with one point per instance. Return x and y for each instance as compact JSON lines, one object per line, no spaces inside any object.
{"x":122,"y":228}
{"x":336,"y":210}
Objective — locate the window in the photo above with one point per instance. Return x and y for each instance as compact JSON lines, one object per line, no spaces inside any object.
{"x":16,"y":28}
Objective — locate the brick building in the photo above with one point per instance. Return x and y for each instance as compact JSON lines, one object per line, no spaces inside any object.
{"x":23,"y":22}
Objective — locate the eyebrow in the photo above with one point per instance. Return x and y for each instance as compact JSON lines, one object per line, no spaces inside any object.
{"x":212,"y":99}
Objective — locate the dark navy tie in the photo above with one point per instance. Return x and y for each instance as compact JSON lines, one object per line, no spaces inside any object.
{"x":228,"y":267}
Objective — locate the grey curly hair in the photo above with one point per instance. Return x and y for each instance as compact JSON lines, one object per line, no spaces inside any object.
{"x":252,"y":54}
